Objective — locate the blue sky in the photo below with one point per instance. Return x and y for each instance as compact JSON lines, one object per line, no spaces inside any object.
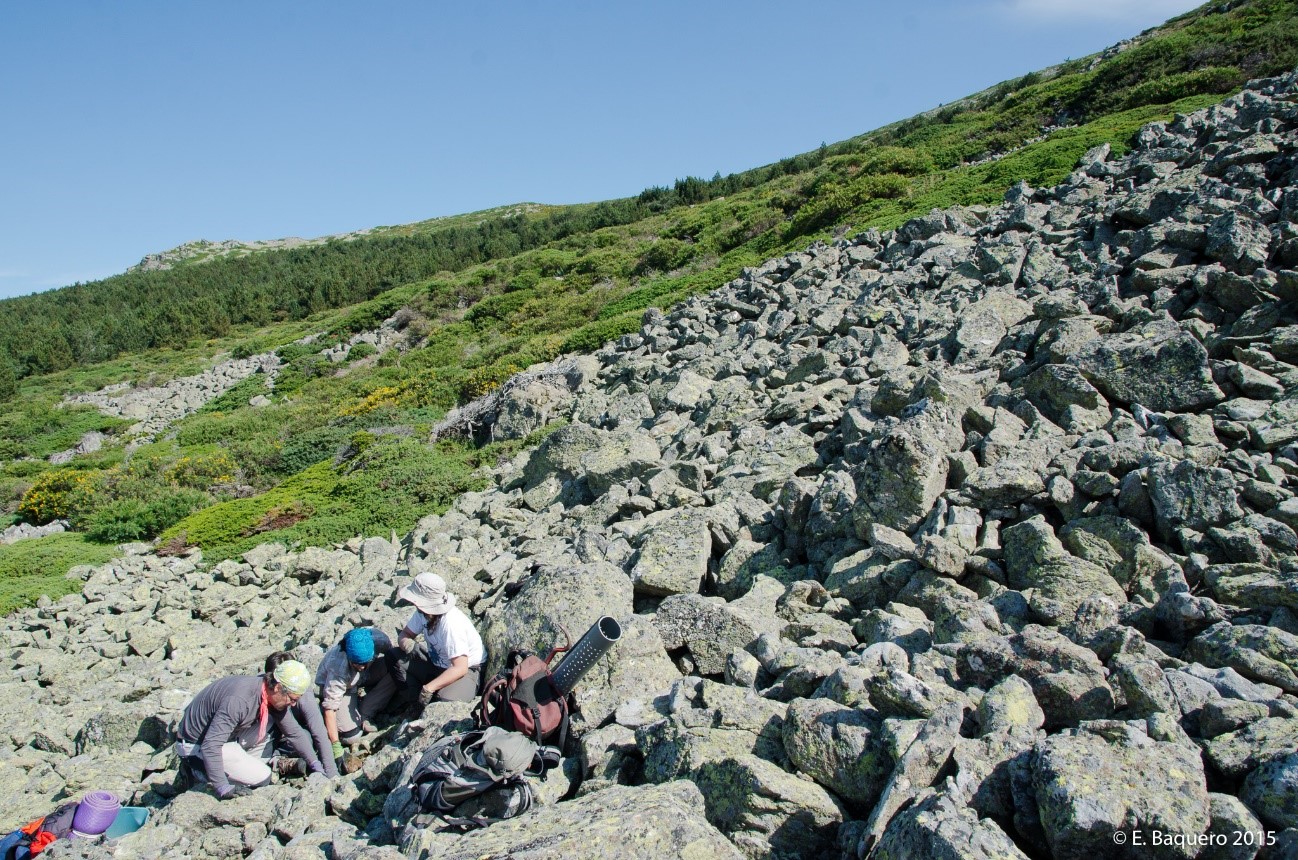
{"x":131,"y":127}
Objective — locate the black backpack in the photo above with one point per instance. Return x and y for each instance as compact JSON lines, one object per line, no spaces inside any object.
{"x":476,"y":778}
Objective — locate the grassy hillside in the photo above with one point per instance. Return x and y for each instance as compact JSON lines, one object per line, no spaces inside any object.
{"x":340,"y":448}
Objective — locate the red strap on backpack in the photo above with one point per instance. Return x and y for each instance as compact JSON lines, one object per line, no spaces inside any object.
{"x":42,"y":840}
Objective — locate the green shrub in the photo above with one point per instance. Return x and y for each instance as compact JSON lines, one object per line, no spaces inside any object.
{"x":389,"y":483}
{"x":606,"y":263}
{"x":224,"y":523}
{"x":370,"y":315}
{"x":1174,"y":87}
{"x":666,"y":255}
{"x":835,"y":201}
{"x":299,"y":372}
{"x":290,"y":352}
{"x":306,"y":449}
{"x":129,"y":519}
{"x":896,"y":159}
{"x":523,"y":280}
{"x":361,"y":350}
{"x":497,"y":308}
{"x":120,"y":521}
{"x":593,"y":335}
{"x":237,"y":396}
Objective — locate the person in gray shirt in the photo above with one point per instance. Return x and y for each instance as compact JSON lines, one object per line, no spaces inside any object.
{"x":224,"y":734}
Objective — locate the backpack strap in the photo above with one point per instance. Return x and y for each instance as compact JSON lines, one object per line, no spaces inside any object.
{"x":488,"y":694}
{"x":536,"y":727}
{"x":471,"y":822}
{"x":557,"y":650}
{"x":563,"y":724}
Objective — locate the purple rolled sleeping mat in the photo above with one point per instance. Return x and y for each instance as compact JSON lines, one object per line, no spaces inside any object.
{"x":95,"y":813}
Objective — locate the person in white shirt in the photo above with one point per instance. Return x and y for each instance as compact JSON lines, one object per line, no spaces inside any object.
{"x":447,"y":665}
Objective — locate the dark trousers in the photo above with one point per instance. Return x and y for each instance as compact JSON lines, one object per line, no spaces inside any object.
{"x":412,"y":671}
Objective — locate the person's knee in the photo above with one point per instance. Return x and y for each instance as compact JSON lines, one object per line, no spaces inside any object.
{"x":451,"y":694}
{"x":249,"y":774}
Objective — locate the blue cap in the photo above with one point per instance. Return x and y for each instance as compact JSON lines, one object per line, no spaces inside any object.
{"x":359,"y":645}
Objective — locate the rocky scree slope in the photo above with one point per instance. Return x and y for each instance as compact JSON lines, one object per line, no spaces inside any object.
{"x":156,"y":408}
{"x":971,"y":539}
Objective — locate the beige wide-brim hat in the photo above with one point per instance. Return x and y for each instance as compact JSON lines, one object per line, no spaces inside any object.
{"x":428,"y":594}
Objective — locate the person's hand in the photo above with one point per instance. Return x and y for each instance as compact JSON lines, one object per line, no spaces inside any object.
{"x":408,"y":645}
{"x":337,"y":749}
{"x":426,"y":695}
{"x":230,"y":792}
{"x":315,"y":767}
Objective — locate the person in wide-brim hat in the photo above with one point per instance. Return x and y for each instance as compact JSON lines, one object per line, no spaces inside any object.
{"x":447,"y":665}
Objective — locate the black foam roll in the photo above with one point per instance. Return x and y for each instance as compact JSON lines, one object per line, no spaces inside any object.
{"x":595,"y":644}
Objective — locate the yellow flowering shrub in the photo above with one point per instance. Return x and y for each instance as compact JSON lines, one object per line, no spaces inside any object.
{"x":201,"y":471}
{"x":59,"y":494}
{"x":384,"y":395}
{"x":485,"y":380}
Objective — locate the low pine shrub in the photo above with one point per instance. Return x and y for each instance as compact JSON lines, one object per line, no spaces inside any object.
{"x":361,"y":350}
{"x":237,"y":396}
{"x":306,"y":449}
{"x":592,"y":336}
{"x":120,"y":521}
{"x":142,"y":516}
{"x":30,"y":568}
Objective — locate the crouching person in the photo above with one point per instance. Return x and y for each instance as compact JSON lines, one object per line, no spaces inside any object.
{"x":354,"y":685}
{"x":301,"y":732}
{"x":448,"y":664}
{"x":224,"y":735}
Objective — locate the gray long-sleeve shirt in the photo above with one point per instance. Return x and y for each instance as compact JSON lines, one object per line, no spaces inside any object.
{"x":306,"y":715}
{"x":229,"y":710}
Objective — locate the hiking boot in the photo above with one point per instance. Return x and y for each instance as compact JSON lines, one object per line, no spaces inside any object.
{"x":287,"y":766}
{"x":190,"y":774}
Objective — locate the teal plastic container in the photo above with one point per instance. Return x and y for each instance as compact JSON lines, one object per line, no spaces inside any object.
{"x":129,"y":819}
